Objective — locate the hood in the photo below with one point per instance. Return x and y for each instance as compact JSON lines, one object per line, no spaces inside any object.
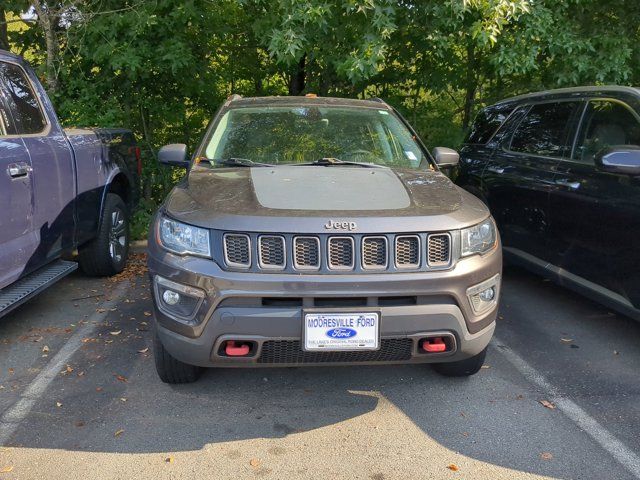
{"x":261,"y":198}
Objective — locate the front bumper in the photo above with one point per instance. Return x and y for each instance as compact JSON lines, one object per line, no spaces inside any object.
{"x":267,"y":308}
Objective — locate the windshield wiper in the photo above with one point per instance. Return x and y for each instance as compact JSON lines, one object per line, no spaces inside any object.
{"x":333,"y":162}
{"x":237,"y":162}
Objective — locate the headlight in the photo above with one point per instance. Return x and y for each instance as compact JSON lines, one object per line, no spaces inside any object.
{"x":181,"y":238}
{"x":479,"y":239}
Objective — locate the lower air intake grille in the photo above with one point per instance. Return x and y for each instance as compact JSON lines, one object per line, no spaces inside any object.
{"x":439,"y":251}
{"x":271,"y":252}
{"x":290,"y":351}
{"x":341,"y":253}
{"x":408,"y":251}
{"x":237,"y":252}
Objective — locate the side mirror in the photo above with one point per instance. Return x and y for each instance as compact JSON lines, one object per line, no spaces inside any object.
{"x":621,"y":159}
{"x":174,"y":155}
{"x":445,"y":157}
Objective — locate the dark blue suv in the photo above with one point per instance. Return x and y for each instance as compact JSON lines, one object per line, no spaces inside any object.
{"x":560,"y":171}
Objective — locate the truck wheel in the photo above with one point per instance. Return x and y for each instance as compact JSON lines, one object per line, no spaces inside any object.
{"x":107,"y":253}
{"x":170,"y":369}
{"x":463,"y":368}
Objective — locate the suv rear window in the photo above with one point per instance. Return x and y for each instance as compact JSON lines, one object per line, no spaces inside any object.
{"x":543,"y":130}
{"x":487,"y":123}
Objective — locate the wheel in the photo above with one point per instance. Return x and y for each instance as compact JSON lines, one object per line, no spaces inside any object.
{"x":107,"y":253}
{"x":170,"y":369}
{"x":463,"y":368}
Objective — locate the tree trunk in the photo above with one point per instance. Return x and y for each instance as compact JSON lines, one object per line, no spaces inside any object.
{"x":4,"y":38}
{"x":47,"y":19}
{"x":298,"y":78}
{"x":471,"y":85}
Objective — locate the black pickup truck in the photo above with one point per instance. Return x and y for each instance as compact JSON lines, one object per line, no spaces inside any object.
{"x":60,"y":190}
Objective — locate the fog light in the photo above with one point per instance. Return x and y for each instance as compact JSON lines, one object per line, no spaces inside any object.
{"x":178,"y":301}
{"x":488,"y":294}
{"x":483,"y":296}
{"x":170,"y":297}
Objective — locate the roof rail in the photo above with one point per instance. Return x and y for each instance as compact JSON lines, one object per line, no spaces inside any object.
{"x":232,"y":98}
{"x":377,"y":99}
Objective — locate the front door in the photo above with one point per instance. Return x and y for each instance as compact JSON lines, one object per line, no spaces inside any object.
{"x":51,"y":162}
{"x":520,"y":176}
{"x":17,"y":239}
{"x":597,"y":213}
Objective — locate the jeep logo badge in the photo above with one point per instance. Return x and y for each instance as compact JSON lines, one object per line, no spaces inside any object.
{"x":333,"y":225}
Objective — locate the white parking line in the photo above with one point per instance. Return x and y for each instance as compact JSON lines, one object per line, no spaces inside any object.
{"x":18,"y":412}
{"x":618,"y":450}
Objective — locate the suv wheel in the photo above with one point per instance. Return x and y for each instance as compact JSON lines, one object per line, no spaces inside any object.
{"x":463,"y":368}
{"x":170,"y":369}
{"x":107,"y":254}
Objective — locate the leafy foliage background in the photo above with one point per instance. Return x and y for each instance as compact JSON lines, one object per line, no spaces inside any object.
{"x":163,"y":67}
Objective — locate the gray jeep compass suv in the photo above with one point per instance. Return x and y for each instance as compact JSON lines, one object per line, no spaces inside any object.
{"x":316,"y":231}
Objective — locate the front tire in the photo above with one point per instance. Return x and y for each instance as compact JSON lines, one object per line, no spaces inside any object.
{"x":170,"y":369}
{"x":107,"y":254}
{"x":462,"y":368}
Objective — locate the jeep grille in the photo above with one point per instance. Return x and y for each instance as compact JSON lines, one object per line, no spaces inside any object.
{"x":237,"y":250}
{"x":271,"y":253}
{"x":341,"y":254}
{"x":408,"y":251}
{"x":439,"y":250}
{"x":360,"y":253}
{"x":307,"y":253}
{"x":374,"y":252}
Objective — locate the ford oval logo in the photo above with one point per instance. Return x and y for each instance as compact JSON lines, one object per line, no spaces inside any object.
{"x":341,"y":333}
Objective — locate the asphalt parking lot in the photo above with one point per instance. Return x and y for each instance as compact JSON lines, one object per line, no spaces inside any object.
{"x":79,"y":398}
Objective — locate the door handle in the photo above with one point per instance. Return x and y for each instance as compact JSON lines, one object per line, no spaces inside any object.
{"x":499,"y":170}
{"x":17,"y":170}
{"x":568,"y":183}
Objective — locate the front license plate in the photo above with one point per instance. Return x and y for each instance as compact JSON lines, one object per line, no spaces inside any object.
{"x":341,"y":331}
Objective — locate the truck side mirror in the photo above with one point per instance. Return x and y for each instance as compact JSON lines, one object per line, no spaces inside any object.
{"x":174,"y":155}
{"x":445,"y":157}
{"x":620,"y":159}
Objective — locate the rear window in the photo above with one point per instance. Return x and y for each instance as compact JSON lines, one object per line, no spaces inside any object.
{"x":487,"y":122}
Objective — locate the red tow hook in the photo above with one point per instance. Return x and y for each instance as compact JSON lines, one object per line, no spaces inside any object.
{"x":433,"y":345}
{"x":233,"y":351}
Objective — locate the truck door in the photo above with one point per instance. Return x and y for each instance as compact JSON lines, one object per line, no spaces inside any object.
{"x":52,"y":162}
{"x":17,"y":239}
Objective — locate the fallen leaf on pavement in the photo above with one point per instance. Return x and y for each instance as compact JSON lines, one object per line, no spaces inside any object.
{"x":254,"y":462}
{"x":7,"y":469}
{"x":121,"y":378}
{"x":118,"y":433}
{"x":69,"y":369}
{"x":117,"y":332}
{"x":58,"y":404}
{"x":79,"y":424}
{"x":144,"y":350}
{"x":101,"y":310}
{"x":122,"y":399}
{"x":147,"y":314}
{"x":98,"y":389}
{"x":566,"y":340}
{"x":169,"y":459}
{"x":453,"y":467}
{"x":485,"y":366}
{"x":546,"y":456}
{"x":547,"y":404}
{"x":45,"y":349}
{"x":615,"y":352}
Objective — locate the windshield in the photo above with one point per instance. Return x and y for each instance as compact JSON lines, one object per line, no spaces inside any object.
{"x":293,"y":135}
